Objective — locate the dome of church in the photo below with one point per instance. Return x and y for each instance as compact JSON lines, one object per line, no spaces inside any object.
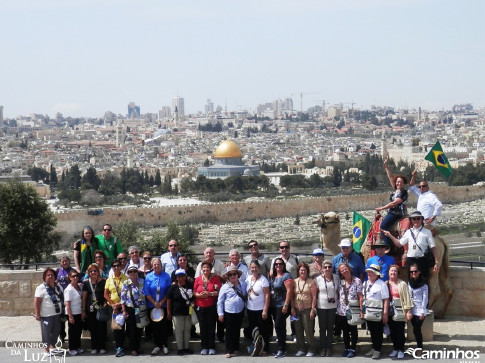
{"x":228,"y":149}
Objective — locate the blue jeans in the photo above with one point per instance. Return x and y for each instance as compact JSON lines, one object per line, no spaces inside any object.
{"x":387,"y":223}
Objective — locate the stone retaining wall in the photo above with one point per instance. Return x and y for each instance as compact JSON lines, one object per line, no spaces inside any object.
{"x":17,"y":290}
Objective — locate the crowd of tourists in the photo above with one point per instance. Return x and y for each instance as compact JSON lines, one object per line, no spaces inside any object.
{"x":145,"y":297}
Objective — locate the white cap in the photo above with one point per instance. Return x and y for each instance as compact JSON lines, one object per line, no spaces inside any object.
{"x":345,"y":243}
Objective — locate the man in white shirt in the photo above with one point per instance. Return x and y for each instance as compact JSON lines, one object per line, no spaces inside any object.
{"x":217,"y":265}
{"x":169,"y":259}
{"x":428,"y":203}
{"x":235,"y":260}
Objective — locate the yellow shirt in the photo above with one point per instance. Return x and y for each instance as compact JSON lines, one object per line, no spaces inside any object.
{"x":113,"y":285}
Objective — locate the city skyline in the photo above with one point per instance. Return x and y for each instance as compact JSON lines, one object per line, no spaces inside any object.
{"x":82,"y":59}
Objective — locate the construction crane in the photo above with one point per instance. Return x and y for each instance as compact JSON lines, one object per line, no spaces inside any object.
{"x":301,"y":97}
{"x":323,"y":102}
{"x":351,"y":107}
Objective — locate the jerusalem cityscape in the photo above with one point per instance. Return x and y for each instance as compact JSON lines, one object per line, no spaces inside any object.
{"x":171,"y":173}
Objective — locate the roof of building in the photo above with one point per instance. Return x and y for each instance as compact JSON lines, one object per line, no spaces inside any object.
{"x":227,"y":149}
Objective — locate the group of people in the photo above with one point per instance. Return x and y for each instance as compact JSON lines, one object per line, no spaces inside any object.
{"x":164,"y":295}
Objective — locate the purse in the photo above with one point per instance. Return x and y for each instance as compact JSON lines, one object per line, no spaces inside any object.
{"x":398,"y":310}
{"x":353,"y":313}
{"x":142,"y":320}
{"x":373,"y":310}
{"x":103,"y":314}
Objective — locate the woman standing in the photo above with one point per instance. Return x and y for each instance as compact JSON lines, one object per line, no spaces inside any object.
{"x":349,"y":289}
{"x":303,"y":307}
{"x":398,"y":291}
{"x":257,"y":287}
{"x":73,"y":300}
{"x":62,"y":278}
{"x":48,"y":305}
{"x":84,"y":249}
{"x":147,"y":263}
{"x":206,"y":290}
{"x":419,"y":295}
{"x":100,"y":261}
{"x":132,"y":297}
{"x":326,"y":302}
{"x":179,"y":298}
{"x":93,"y":298}
{"x":376,"y":290}
{"x":183,"y":263}
{"x":112,"y":294}
{"x":230,"y":308}
{"x":397,"y":202}
{"x":316,"y":267}
{"x":157,"y":284}
{"x":281,"y":286}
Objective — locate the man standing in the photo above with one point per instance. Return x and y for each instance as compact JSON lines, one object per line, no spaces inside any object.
{"x":124,"y":264}
{"x":428,"y":203}
{"x":135,"y":259}
{"x":217,"y":265}
{"x":264,"y":261}
{"x":169,"y":259}
{"x":348,"y":255}
{"x":381,"y":259}
{"x":235,"y":260}
{"x":109,"y":244}
{"x":291,"y":261}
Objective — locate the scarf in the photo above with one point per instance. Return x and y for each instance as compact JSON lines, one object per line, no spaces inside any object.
{"x":416,"y":283}
{"x":57,"y":297}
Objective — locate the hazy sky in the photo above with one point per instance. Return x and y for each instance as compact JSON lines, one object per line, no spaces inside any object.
{"x":83,"y":58}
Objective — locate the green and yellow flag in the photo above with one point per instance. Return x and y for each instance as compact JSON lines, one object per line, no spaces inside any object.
{"x":359,"y":231}
{"x":439,"y":159}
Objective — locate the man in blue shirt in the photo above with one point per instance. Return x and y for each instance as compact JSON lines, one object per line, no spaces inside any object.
{"x":169,"y":259}
{"x":382,"y":259}
{"x":348,"y":255}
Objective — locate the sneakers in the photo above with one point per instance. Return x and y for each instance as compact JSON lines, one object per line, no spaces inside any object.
{"x":212,"y":351}
{"x":165,"y":350}
{"x":376,"y":354}
{"x":309,"y":354}
{"x":73,"y":352}
{"x":400,"y":354}
{"x":119,"y":352}
{"x":300,"y":353}
{"x":370,"y":353}
{"x":204,"y":352}
{"x":101,"y":351}
{"x":351,"y":353}
{"x":280,"y":354}
{"x":155,"y":351}
{"x":344,"y":353}
{"x":393,"y":353}
{"x":94,"y":351}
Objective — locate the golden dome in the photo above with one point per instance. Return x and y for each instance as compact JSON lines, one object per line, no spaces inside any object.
{"x":228,"y":149}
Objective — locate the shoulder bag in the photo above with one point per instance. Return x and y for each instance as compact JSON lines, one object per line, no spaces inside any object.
{"x":373,"y":308}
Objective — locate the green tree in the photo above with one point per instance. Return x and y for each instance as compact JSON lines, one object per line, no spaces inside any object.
{"x":90,"y":180}
{"x":110,"y":184}
{"x":53,"y":176}
{"x":158,"y":178}
{"x":129,"y":233}
{"x":26,"y":224}
{"x":37,"y":174}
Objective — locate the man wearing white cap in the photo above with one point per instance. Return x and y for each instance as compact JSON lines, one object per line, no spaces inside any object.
{"x":348,"y":255}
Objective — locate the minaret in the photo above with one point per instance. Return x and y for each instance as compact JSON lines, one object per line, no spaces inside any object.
{"x":383,"y":145}
{"x":118,"y":132}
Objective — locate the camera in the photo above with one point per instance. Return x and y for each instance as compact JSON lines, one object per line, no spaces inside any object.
{"x":331,"y":300}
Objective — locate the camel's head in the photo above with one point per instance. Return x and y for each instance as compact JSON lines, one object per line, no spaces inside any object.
{"x":327,"y":219}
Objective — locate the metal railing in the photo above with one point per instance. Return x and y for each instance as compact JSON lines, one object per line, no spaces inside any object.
{"x":468,"y":262}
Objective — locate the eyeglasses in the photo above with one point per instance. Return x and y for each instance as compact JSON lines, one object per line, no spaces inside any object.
{"x":327,"y":267}
{"x":107,"y":229}
{"x":98,"y":257}
{"x":416,"y":218}
{"x":422,"y":186}
{"x":279,"y":264}
{"x":254,"y":245}
{"x":133,"y":271}
{"x":92,"y":271}
{"x":380,"y":247}
{"x":284,"y":247}
{"x":172,"y":245}
{"x":122,"y":258}
{"x":133,"y":252}
{"x":116,"y":266}
{"x":414,"y":271}
{"x":232,"y":274}
{"x":344,"y":248}
{"x":74,"y":276}
{"x":182,"y":260}
{"x":147,"y":258}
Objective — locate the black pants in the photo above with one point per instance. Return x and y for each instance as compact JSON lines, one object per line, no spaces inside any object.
{"x":376,"y":330}
{"x":207,"y":323}
{"x":75,"y":331}
{"x":417,"y":330}
{"x":397,"y":334}
{"x":350,"y":333}
{"x":232,"y":324}
{"x":98,"y":331}
{"x":160,"y":329}
{"x":326,"y":322}
{"x":255,"y":319}
{"x":133,"y":333}
{"x":280,"y":325}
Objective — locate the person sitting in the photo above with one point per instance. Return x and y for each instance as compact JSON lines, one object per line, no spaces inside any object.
{"x":428,"y":203}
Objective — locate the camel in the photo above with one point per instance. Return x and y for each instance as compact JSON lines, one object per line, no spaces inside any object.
{"x":441,"y":290}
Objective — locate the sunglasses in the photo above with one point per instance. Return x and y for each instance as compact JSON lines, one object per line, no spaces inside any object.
{"x":284,"y":247}
{"x":133,"y":252}
{"x":116,"y":266}
{"x":107,"y":229}
{"x":74,"y":276}
{"x":147,"y":258}
{"x":414,"y":272}
{"x":344,"y":248}
{"x":92,"y":271}
{"x":327,"y":267}
{"x":98,"y":257}
{"x":251,"y":246}
{"x":422,"y":186}
{"x":122,"y":258}
{"x":279,"y":264}
{"x":133,"y":272}
{"x":232,"y":274}
{"x":416,"y":218}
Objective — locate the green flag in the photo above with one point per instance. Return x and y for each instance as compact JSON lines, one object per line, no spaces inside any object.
{"x":359,"y":231}
{"x":439,"y":159}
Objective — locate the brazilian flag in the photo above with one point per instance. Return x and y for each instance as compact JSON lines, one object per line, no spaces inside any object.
{"x":439,"y":159}
{"x":359,"y":231}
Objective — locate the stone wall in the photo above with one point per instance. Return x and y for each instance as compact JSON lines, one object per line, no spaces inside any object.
{"x":17,"y":290}
{"x":70,"y":223}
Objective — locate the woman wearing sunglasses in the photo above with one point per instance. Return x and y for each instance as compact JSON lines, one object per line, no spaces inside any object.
{"x":419,"y":295}
{"x":73,"y":302}
{"x":147,"y":263}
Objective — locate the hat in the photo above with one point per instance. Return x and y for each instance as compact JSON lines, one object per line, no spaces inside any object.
{"x":345,"y":243}
{"x":375,"y":269}
{"x":379,"y":243}
{"x":416,"y":214}
{"x":232,"y":268}
{"x":318,"y":251}
{"x":180,"y":271}
{"x":156,"y":314}
{"x":119,"y":318}
{"x":132,"y":268}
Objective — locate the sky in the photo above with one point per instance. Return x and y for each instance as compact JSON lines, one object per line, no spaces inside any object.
{"x":82,"y":58}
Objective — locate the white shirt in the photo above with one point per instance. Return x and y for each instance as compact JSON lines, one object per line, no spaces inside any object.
{"x":424,"y":239}
{"x":169,"y":262}
{"x":376,"y":291}
{"x":47,"y":307}
{"x":428,"y":203}
{"x":74,"y":296}
{"x":327,"y":290}
{"x":217,"y":268}
{"x":256,"y":296}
